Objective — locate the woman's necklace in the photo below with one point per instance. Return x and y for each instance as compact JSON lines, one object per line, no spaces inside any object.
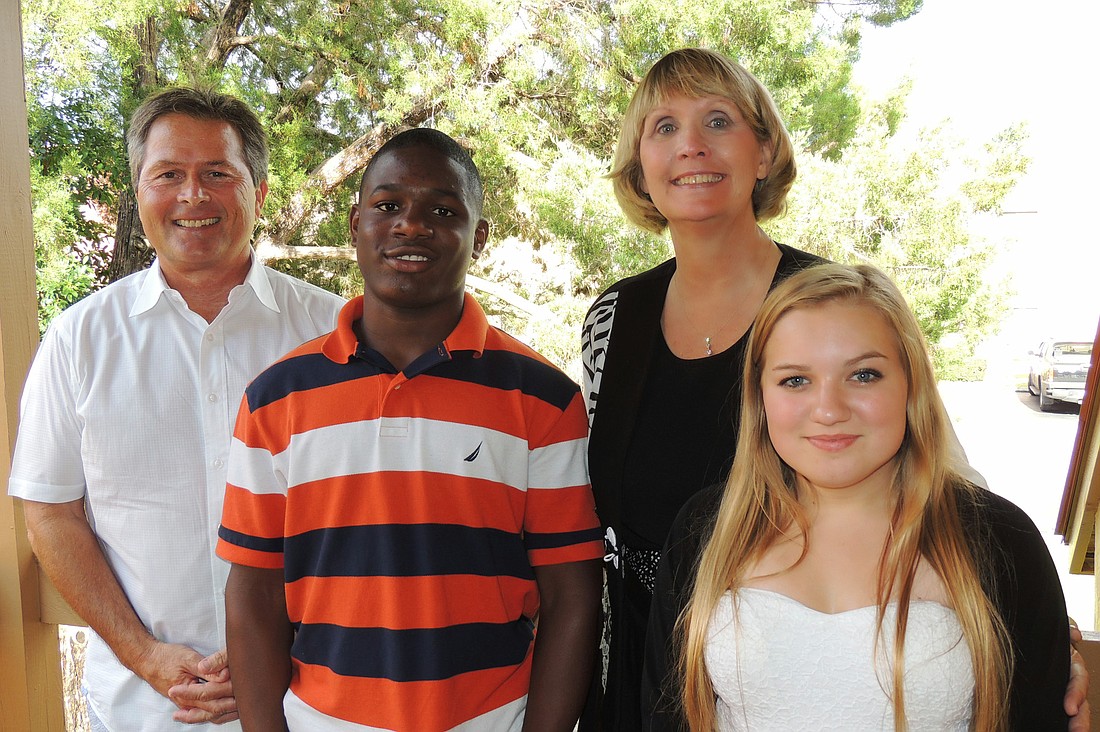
{"x":720,"y":313}
{"x":714,"y":330}
{"x":717,"y":334}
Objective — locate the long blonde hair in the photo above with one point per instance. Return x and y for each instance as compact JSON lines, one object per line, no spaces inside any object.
{"x":760,"y":504}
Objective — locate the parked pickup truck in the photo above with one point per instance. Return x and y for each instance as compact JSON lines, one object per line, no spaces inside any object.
{"x":1059,"y":369}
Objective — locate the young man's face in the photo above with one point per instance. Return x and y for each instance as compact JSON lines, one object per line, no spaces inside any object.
{"x":415,"y":230}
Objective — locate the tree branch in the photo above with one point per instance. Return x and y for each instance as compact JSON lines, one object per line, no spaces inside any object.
{"x":146,"y":75}
{"x":240,"y":41}
{"x":269,"y":250}
{"x":310,"y":88}
{"x":329,"y":175}
{"x":221,"y":40}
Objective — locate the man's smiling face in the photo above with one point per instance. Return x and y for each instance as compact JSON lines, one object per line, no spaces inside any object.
{"x":195,"y":194}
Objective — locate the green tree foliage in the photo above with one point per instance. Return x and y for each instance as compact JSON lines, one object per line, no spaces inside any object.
{"x":535,"y":88}
{"x":64,"y":272}
{"x":886,"y":202}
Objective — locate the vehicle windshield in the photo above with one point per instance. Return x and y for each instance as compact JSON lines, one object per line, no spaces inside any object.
{"x":1073,"y":351}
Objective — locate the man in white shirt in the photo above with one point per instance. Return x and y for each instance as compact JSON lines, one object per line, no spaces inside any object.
{"x":128,"y":411}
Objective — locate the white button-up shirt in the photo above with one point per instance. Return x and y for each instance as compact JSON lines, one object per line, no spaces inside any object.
{"x":130,"y":404}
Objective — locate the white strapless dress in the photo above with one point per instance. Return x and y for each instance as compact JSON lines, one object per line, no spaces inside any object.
{"x":779,"y":665}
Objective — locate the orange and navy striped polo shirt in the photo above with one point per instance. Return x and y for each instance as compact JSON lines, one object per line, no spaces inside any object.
{"x":407,"y":510}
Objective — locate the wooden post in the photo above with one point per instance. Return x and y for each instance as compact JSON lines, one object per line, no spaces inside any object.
{"x":30,"y":671}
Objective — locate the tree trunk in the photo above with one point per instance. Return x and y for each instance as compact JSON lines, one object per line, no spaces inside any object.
{"x":146,"y":74}
{"x":130,"y":251}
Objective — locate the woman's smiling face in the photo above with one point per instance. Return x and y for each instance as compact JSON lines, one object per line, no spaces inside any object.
{"x":700,"y":159}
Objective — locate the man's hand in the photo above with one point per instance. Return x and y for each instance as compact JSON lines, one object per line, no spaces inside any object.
{"x":208,"y":697}
{"x":67,"y":549}
{"x":1076,"y":701}
{"x":199,"y":686}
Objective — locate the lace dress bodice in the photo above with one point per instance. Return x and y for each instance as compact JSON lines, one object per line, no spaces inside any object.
{"x":779,"y":665}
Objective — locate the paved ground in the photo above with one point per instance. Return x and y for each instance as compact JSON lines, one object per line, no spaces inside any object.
{"x":1024,"y":454}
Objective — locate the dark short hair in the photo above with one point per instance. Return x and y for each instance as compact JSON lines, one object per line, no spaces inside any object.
{"x":442,"y":143}
{"x":205,"y":104}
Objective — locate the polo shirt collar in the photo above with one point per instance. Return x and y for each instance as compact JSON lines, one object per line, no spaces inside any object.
{"x":469,"y":335}
{"x":155,"y":285}
{"x":340,"y":345}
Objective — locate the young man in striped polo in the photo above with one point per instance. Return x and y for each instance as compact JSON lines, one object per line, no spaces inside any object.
{"x":408,"y":498}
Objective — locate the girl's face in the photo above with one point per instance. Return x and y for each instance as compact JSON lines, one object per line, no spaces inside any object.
{"x":700,"y":160}
{"x":835,"y":392}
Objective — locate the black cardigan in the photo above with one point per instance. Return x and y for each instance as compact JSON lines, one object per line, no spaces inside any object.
{"x":616,"y":364}
{"x":618,"y":342}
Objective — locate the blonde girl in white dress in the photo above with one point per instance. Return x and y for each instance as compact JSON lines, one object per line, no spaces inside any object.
{"x":852,"y":578}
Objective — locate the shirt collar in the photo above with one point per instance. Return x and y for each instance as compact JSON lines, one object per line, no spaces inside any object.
{"x":258,"y":280}
{"x":155,"y":285}
{"x":468,"y":335}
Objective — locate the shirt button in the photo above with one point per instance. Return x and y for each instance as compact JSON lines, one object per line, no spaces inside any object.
{"x":397,"y":387}
{"x":218,"y":463}
{"x":209,"y":337}
{"x":211,"y":398}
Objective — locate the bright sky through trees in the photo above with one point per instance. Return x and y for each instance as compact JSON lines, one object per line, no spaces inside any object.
{"x":986,"y":65}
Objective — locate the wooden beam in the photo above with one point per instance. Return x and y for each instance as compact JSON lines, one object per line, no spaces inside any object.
{"x":30,"y":675}
{"x":1081,"y":497}
{"x":54,"y":610}
{"x":1090,"y":653}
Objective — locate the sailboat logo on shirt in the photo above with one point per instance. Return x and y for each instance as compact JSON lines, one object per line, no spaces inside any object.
{"x":473,"y":455}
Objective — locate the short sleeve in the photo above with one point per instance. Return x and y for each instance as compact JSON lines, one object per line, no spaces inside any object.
{"x":254,"y":512}
{"x":47,"y":465}
{"x":560,"y":523}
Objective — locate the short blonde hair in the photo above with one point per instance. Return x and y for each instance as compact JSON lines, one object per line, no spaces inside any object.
{"x":697,"y":72}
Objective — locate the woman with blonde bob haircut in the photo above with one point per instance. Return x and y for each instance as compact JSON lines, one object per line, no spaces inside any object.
{"x":848,"y":556}
{"x":696,"y":73}
{"x":703,"y":154}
